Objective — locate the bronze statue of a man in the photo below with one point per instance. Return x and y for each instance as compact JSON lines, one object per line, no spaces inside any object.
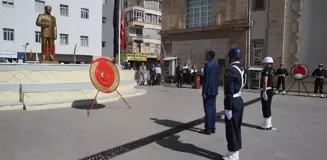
{"x":48,"y":25}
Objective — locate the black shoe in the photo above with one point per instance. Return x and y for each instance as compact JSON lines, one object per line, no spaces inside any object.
{"x":205,"y":132}
{"x":213,"y":131}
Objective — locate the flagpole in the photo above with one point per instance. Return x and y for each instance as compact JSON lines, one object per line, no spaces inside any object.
{"x":119,"y":30}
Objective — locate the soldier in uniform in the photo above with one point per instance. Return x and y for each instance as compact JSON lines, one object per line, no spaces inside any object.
{"x":48,"y":25}
{"x":267,"y":92}
{"x":319,"y":74}
{"x":233,"y":102}
{"x":281,"y":74}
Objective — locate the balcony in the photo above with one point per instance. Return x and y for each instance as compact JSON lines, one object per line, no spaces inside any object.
{"x":137,"y":38}
{"x":137,"y":22}
{"x":141,"y":7}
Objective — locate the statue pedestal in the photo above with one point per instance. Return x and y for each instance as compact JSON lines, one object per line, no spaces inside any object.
{"x":45,"y":86}
{"x":49,"y":62}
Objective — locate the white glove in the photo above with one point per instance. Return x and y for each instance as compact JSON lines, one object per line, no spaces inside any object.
{"x":264,"y":96}
{"x":228,"y":114}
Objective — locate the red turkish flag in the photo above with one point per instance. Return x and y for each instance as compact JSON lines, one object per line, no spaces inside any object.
{"x":123,"y":33}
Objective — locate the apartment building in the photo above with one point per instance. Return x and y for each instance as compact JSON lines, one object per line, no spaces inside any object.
{"x":143,"y":24}
{"x":191,"y":27}
{"x":78,"y":23}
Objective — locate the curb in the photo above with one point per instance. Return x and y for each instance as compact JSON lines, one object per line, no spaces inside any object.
{"x":66,"y":104}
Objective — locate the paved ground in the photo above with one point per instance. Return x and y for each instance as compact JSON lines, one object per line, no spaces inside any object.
{"x":67,"y":134}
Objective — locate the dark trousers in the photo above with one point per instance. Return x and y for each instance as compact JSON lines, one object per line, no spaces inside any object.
{"x":266,"y":105}
{"x":281,"y":81}
{"x":184,"y":78}
{"x":209,"y":104}
{"x":158,"y":78}
{"x":179,"y":80}
{"x":233,"y":126}
{"x":319,"y":83}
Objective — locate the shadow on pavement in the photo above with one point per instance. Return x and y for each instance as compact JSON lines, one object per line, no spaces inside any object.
{"x":173,"y":143}
{"x":86,"y":104}
{"x":173,"y":124}
{"x":221,"y":120}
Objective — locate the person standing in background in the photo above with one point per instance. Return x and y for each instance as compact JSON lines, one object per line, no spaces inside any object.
{"x":210,"y":92}
{"x":185,"y":70}
{"x":152,"y":75}
{"x":179,"y":75}
{"x":319,"y":74}
{"x":281,"y":73}
{"x":158,"y":74}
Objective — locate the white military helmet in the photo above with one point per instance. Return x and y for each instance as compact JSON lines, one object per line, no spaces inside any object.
{"x":268,"y":60}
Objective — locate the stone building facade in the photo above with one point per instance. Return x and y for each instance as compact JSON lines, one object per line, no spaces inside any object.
{"x":186,"y":35}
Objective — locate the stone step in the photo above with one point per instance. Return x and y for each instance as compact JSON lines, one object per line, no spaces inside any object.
{"x":61,"y":103}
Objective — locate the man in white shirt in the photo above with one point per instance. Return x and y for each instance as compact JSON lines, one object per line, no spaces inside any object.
{"x":158,"y":74}
{"x":185,"y":70}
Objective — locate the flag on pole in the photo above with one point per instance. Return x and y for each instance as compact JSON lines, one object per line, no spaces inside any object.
{"x":123,"y":33}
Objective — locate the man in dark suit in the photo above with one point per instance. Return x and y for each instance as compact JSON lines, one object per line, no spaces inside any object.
{"x":210,"y":92}
{"x":179,"y":76}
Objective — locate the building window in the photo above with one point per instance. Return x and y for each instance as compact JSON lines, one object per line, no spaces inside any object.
{"x":160,"y":4}
{"x":125,"y":3}
{"x":137,"y":15}
{"x":39,"y":6}
{"x":199,"y":13}
{"x":64,"y":10}
{"x":84,"y":13}
{"x":258,"y":4}
{"x":8,"y":34}
{"x":8,"y":3}
{"x":64,"y":39}
{"x":38,"y":37}
{"x":84,"y":41}
{"x":257,"y":52}
{"x":103,"y":44}
{"x":104,"y":19}
{"x":151,"y":4}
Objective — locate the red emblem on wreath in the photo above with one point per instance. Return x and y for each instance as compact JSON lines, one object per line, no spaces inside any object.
{"x":299,"y":72}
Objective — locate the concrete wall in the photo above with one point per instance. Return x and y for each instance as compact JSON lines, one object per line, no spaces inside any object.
{"x":22,"y":19}
{"x":108,"y":29}
{"x":313,"y":33}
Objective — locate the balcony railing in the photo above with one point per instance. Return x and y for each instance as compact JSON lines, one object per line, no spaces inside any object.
{"x":138,"y":38}
{"x":144,"y":6}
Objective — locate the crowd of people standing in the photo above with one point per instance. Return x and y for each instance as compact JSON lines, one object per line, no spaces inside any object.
{"x":186,"y":74}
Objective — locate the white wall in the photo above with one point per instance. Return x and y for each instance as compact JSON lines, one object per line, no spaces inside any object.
{"x":23,"y":16}
{"x":107,"y":29}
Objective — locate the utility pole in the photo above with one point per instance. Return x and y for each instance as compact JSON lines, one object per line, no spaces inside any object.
{"x":75,"y":53}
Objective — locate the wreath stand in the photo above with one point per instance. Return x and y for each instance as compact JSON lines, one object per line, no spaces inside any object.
{"x":299,"y":81}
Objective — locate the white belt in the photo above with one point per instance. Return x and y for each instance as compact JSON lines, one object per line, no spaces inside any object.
{"x":242,"y":79}
{"x":281,"y":75}
{"x":237,"y":95}
{"x":320,"y":77}
{"x":267,"y":88}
